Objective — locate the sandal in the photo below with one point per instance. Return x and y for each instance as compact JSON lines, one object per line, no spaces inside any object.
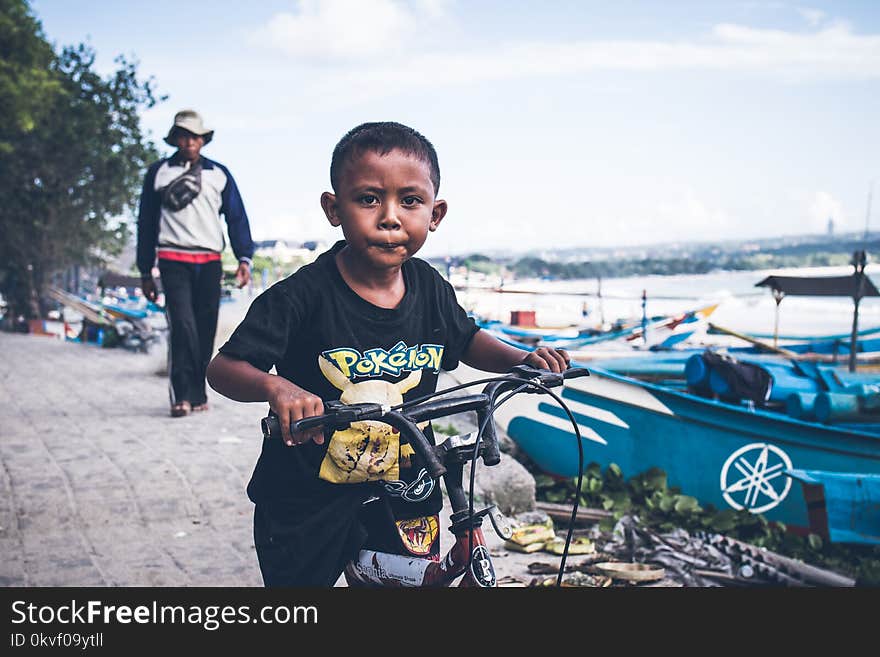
{"x":198,"y":408}
{"x":181,"y":409}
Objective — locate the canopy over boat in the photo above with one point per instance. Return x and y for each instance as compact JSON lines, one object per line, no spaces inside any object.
{"x":821,"y":286}
{"x":857,"y":286}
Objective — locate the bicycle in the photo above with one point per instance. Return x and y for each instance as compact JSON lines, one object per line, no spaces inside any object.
{"x":468,"y":555}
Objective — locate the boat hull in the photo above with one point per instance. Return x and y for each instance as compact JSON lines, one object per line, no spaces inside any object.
{"x":724,"y":455}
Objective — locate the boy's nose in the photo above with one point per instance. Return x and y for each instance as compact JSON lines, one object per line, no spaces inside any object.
{"x":389,"y":220}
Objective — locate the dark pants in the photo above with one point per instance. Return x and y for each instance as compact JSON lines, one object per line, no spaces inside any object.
{"x":310,"y":550}
{"x":192,"y":301}
{"x":311,"y":546}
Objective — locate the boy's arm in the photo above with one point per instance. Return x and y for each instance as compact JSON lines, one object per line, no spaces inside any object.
{"x":241,"y":381}
{"x":491,"y":355}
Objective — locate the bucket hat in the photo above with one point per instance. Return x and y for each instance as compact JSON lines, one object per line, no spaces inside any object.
{"x":191,"y":121}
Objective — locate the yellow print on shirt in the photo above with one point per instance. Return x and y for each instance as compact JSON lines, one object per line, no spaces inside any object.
{"x":379,"y":362}
{"x":368,"y":450}
{"x":419,"y":534}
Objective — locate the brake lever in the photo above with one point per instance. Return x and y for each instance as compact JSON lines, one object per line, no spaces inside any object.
{"x":546,"y":378}
{"x":502,"y":524}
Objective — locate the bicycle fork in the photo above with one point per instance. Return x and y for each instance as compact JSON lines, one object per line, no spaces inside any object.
{"x":384,"y":569}
{"x":373,"y":568}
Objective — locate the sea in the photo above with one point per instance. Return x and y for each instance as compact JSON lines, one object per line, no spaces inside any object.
{"x":741,"y":306}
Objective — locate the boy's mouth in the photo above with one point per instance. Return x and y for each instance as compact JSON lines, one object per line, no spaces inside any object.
{"x":388,"y":245}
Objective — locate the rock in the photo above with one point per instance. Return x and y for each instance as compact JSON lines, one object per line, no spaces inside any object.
{"x":530,"y":517}
{"x":508,"y":485}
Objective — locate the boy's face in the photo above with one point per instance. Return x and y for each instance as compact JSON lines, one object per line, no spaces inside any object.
{"x":385,"y":205}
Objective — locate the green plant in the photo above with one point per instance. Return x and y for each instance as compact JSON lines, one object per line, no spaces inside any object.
{"x":446,"y":429}
{"x":664,"y":508}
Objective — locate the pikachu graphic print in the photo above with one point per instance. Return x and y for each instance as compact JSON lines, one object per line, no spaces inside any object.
{"x":371,"y":450}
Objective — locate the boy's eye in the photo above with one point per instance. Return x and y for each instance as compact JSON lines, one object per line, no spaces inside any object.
{"x":411,"y":200}
{"x":369,"y":199}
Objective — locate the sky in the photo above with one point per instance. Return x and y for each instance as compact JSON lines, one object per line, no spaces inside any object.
{"x":557,"y":124}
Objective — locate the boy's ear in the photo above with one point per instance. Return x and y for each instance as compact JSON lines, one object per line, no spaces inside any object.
{"x":328,"y":204}
{"x":437,"y":214}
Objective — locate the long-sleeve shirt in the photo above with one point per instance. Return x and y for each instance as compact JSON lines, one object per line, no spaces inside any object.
{"x":195,"y":229}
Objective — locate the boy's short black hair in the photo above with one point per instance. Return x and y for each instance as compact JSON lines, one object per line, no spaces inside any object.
{"x":383,"y":137}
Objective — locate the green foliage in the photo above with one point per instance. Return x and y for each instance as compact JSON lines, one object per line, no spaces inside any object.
{"x":72,"y":156}
{"x":483,"y":264}
{"x":664,"y":508}
{"x":275,"y":268}
{"x":531,"y":267}
{"x":447,"y":429}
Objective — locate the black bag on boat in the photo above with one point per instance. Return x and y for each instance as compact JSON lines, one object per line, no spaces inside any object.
{"x":745,"y":380}
{"x":181,"y":191}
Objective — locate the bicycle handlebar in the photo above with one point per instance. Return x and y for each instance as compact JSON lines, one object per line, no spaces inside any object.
{"x":340,"y":416}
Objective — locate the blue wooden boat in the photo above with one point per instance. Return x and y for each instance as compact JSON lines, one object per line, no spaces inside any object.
{"x":867,"y":342}
{"x":725,"y":454}
{"x":842,"y":507}
{"x":796,"y":339}
{"x":663,"y":332}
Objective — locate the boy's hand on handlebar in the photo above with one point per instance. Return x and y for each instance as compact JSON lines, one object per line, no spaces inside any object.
{"x":292,"y":403}
{"x":547,"y":358}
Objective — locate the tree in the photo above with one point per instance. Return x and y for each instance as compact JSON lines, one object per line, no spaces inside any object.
{"x":71,"y":157}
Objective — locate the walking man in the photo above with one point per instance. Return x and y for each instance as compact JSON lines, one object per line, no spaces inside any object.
{"x":179,"y":225}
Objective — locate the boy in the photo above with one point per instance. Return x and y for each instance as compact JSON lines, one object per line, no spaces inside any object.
{"x":370,"y":320}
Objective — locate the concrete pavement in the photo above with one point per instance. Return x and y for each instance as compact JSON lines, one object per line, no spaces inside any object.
{"x":99,"y":486}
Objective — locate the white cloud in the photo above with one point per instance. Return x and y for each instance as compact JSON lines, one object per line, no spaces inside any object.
{"x":691,"y":215}
{"x":834,"y":52}
{"x":812,"y":16}
{"x":346,"y":29}
{"x":311,"y":225}
{"x":820,"y":206}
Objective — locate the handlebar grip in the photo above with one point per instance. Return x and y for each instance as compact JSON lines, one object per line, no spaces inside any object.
{"x":272,"y":427}
{"x":309,"y":423}
{"x":575,"y":372}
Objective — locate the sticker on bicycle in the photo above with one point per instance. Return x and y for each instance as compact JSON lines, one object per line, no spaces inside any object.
{"x":481,"y":567}
{"x":415,"y":491}
{"x":368,"y":450}
{"x":419,"y":534}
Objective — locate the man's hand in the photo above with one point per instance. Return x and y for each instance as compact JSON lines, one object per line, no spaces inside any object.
{"x":243,"y":274}
{"x":148,"y":286}
{"x":547,"y":358}
{"x":292,"y":403}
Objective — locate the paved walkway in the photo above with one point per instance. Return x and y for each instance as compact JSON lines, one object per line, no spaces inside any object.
{"x":99,"y":486}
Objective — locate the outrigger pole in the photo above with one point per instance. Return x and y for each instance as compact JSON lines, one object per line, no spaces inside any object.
{"x":859,"y":260}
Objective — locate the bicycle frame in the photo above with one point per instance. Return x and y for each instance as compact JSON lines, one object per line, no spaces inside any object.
{"x":373,"y":568}
{"x":469,"y":555}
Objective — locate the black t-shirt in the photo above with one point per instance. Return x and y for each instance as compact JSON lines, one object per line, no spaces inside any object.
{"x":313,"y":314}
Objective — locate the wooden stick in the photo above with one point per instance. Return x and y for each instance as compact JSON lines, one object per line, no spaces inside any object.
{"x":758,"y":343}
{"x":869,"y":361}
{"x":563,"y":512}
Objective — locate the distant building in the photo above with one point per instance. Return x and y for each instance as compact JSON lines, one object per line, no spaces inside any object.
{"x":284,"y":251}
{"x":830,"y":227}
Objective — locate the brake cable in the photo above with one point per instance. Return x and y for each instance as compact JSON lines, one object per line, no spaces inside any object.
{"x":489,"y":416}
{"x":461,"y":386}
{"x":580,"y":476}
{"x":525,"y":383}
